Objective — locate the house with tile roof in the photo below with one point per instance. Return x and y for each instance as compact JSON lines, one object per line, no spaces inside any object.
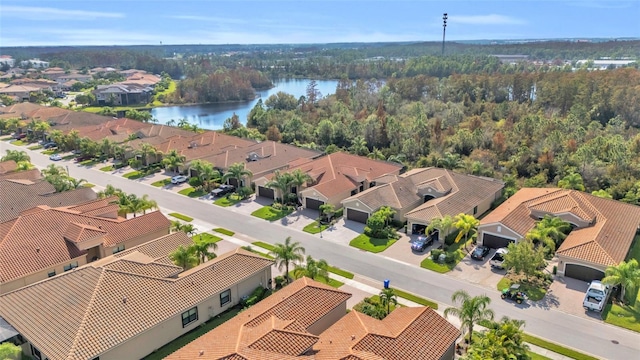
{"x":44,"y":241}
{"x":335,"y":177}
{"x":9,"y":171}
{"x":421,"y":195}
{"x":17,"y":196}
{"x":308,"y":320}
{"x":602,"y":235}
{"x":129,"y":305}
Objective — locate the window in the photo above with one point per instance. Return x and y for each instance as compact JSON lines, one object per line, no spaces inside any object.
{"x":353,"y":192}
{"x":225,"y":297}
{"x":475,"y":210}
{"x":118,"y":249}
{"x":71,"y":266}
{"x":36,"y":353}
{"x":372,"y":184}
{"x":51,"y":273}
{"x":189,"y":316}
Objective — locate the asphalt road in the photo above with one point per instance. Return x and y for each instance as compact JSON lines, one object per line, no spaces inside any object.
{"x":590,"y":336}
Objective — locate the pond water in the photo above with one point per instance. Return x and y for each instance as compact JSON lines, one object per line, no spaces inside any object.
{"x":212,"y":116}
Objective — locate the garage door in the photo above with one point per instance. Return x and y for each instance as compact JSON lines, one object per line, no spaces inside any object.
{"x":494,"y":241}
{"x":266,"y":192}
{"x":582,"y":272}
{"x":314,"y":204}
{"x":356,"y":215}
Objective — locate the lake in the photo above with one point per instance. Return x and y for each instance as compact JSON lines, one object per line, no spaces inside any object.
{"x":212,"y":116}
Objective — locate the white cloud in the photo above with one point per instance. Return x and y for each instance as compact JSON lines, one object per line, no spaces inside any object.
{"x":491,"y":19}
{"x":47,"y":13}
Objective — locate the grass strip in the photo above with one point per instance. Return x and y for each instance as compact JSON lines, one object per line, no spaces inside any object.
{"x":416,"y":299}
{"x":227,"y":201}
{"x":161,"y":183}
{"x":35,"y":147}
{"x":181,"y":217}
{"x":313,"y":228}
{"x":264,"y":245}
{"x":192,"y":192}
{"x":183,"y":340}
{"x":557,"y":348}
{"x":224,"y":231}
{"x":338,"y":271}
{"x":370,"y":244}
{"x":133,"y":175}
{"x":270,"y":214}
{"x":206,"y":237}
{"x":249,"y":248}
{"x":107,"y":168}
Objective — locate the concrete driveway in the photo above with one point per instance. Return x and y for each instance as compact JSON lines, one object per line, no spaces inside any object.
{"x":567,"y":294}
{"x":401,"y":250}
{"x":479,"y":272}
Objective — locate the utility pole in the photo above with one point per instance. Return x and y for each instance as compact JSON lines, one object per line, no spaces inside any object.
{"x":444,"y":29}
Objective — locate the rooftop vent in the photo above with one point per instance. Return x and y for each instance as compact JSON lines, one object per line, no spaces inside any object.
{"x":124,"y":300}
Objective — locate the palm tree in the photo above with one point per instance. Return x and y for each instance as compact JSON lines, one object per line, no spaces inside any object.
{"x":510,"y":331}
{"x":16,"y":155}
{"x":76,"y":183}
{"x":388,"y":297}
{"x":173,"y":160}
{"x":313,"y":269}
{"x":71,"y":140}
{"x":145,"y":151}
{"x":281,"y":182}
{"x":176,"y":225}
{"x":467,"y":224}
{"x":89,"y":147}
{"x":626,"y":274}
{"x":134,"y":205}
{"x":554,"y":227}
{"x":57,"y":137}
{"x":450,"y":161}
{"x":359,"y":146}
{"x":471,"y":310}
{"x":106,"y":147}
{"x":573,"y":181}
{"x":54,"y":170}
{"x":208,"y":175}
{"x":237,"y":171}
{"x":40,"y":128}
{"x":397,"y":158}
{"x":202,"y":251}
{"x":286,"y":253}
{"x":443,"y":225}
{"x":299,"y":178}
{"x":110,"y":190}
{"x":376,"y":154}
{"x":13,"y":124}
{"x":183,"y":257}
{"x":148,"y":204}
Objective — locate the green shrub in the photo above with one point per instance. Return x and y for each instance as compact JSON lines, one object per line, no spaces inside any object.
{"x":338,"y":213}
{"x":279,"y":280}
{"x":450,"y":258}
{"x":555,"y":269}
{"x":450,"y":239}
{"x":194,"y":182}
{"x":435,"y":254}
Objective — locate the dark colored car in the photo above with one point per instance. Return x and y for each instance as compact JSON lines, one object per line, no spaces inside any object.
{"x":83,"y":158}
{"x":423,"y":241}
{"x":19,"y":136}
{"x":50,"y":145}
{"x":480,"y":252}
{"x":223,"y":190}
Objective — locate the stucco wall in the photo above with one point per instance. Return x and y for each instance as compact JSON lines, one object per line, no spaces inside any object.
{"x":137,"y":241}
{"x":40,"y":275}
{"x":450,"y":353}
{"x":329,"y":319}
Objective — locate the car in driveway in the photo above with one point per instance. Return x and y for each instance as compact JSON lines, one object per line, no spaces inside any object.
{"x":423,"y":241}
{"x":19,"y":136}
{"x":223,"y":190}
{"x":179,"y":179}
{"x":55,"y":157}
{"x":49,"y":145}
{"x":497,"y":260}
{"x":480,"y":252}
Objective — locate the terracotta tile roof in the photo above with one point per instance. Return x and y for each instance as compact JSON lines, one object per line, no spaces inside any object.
{"x":17,"y":196}
{"x":8,"y":166}
{"x":275,"y":328}
{"x":32,"y":174}
{"x":159,"y":248}
{"x":18,"y":110}
{"x":153,"y":269}
{"x":340,"y":172}
{"x":357,"y":336}
{"x":35,"y":241}
{"x":604,"y":240}
{"x":98,"y":308}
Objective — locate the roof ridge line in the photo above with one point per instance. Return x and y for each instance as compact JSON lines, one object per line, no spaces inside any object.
{"x":83,"y":323}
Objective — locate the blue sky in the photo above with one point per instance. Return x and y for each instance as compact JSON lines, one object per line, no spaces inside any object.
{"x":127,"y":22}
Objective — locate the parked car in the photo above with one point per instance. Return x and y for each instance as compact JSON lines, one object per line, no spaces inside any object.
{"x":55,"y":157}
{"x":19,"y":136}
{"x":596,"y":297}
{"x":49,"y":145}
{"x":480,"y":252}
{"x":223,"y":190}
{"x":423,"y":241}
{"x":83,"y":158}
{"x":498,"y":258}
{"x":179,"y":179}
{"x":514,"y":293}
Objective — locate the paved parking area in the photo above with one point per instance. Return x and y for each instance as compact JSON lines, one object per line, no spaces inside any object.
{"x":567,"y":294}
{"x":401,"y":250}
{"x":476,"y":271}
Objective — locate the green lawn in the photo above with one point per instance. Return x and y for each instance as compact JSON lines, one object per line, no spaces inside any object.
{"x":270,"y":214}
{"x":69,"y":157}
{"x":534,"y":293}
{"x":373,"y":245}
{"x":557,"y":348}
{"x":181,"y":217}
{"x":416,"y":299}
{"x":313,"y":228}
{"x":192,"y":192}
{"x":226,"y":201}
{"x":338,"y":271}
{"x":192,"y":335}
{"x":133,"y":175}
{"x":107,"y":168}
{"x":263,"y":245}
{"x":88,"y":185}
{"x":49,"y":152}
{"x":96,"y":109}
{"x":161,"y":183}
{"x":626,"y":316}
{"x":224,"y":231}
{"x":456,"y":248}
{"x":89,"y":162}
{"x":18,"y":143}
{"x":35,"y":147}
{"x":206,"y":237}
{"x":249,"y":248}
{"x":534,"y":356}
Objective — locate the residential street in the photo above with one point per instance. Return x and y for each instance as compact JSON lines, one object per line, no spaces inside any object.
{"x":586,"y":335}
